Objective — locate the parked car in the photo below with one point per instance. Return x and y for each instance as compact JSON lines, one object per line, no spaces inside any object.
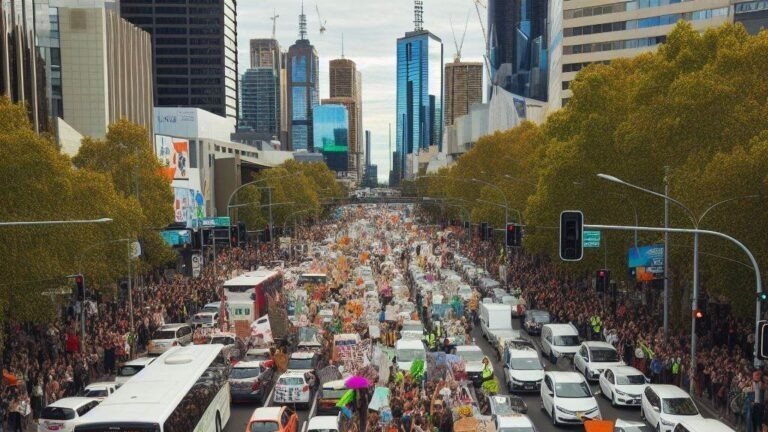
{"x":514,"y":423}
{"x":100,"y":390}
{"x":534,"y":320}
{"x":205,"y":319}
{"x":257,"y":354}
{"x":273,"y":419}
{"x":167,"y":336}
{"x":622,"y":385}
{"x":304,"y":361}
{"x":663,"y":406}
{"x":567,"y":398}
{"x":473,"y":362}
{"x":294,"y":388}
{"x":324,"y":424}
{"x":64,"y":414}
{"x":501,"y":405}
{"x":559,"y":340}
{"x":523,"y":369}
{"x":593,"y":357}
{"x":702,"y":425}
{"x":630,"y":426}
{"x":251,"y":381}
{"x":131,"y":368}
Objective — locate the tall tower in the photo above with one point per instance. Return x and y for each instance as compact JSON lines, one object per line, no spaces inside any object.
{"x":260,"y":89}
{"x":194,"y":52}
{"x":345,"y":89}
{"x":419,"y":93}
{"x":303,"y":88}
{"x":463,"y":88}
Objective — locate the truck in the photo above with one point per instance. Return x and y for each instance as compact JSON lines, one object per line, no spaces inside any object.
{"x":494,"y":316}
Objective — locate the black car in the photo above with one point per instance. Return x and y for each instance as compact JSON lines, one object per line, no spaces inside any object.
{"x":534,"y":320}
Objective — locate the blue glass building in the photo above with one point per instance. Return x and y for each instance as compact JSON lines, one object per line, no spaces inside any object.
{"x":419,"y":95}
{"x":518,"y":46}
{"x":330,"y":124}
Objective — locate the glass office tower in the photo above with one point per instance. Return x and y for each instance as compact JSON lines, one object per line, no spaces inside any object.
{"x":331,"y":135}
{"x":419,"y":94}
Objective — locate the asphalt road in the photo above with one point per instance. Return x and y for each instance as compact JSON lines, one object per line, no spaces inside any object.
{"x":241,"y":413}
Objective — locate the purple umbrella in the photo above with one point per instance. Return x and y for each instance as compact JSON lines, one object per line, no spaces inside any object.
{"x":357,"y":382}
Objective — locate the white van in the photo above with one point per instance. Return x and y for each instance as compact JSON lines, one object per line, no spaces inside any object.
{"x":167,"y":336}
{"x":494,"y":316}
{"x":559,"y":340}
{"x":406,"y":351}
{"x":131,"y":368}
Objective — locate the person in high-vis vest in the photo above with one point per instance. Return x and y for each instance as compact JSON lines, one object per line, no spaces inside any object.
{"x":489,"y":384}
{"x":676,"y":371}
{"x":431,"y":341}
{"x":597,"y":326}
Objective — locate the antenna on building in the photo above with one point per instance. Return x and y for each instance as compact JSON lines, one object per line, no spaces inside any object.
{"x":418,"y":15}
{"x":274,"y":18}
{"x":302,"y":23}
{"x":459,"y":45}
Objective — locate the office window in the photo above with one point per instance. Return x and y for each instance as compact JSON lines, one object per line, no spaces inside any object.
{"x":299,"y":69}
{"x":299,"y":103}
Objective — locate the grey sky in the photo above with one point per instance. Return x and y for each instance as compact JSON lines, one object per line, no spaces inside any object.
{"x":370,"y":28}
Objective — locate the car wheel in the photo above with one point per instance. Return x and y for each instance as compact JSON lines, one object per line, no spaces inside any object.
{"x":658,"y":427}
{"x":218,"y":422}
{"x":642,"y":413}
{"x":613,"y":400}
{"x":554,"y":419}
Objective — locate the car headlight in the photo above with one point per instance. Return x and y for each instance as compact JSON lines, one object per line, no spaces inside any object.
{"x":565,"y":411}
{"x":515,"y":381}
{"x":666,"y":422}
{"x":592,"y":410}
{"x":620,"y":393}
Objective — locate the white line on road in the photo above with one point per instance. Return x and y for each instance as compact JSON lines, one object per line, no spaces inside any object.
{"x":269,"y":397}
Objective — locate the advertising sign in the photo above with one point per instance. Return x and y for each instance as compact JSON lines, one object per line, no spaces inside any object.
{"x":174,"y":156}
{"x":646,"y":263}
{"x":177,"y":238}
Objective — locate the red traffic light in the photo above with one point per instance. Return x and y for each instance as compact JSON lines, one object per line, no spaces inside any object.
{"x":601,"y":273}
{"x":698,"y":314}
{"x":510,"y":227}
{"x":78,"y":279}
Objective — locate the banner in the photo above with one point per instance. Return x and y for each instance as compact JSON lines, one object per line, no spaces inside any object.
{"x":646,"y":263}
{"x":174,"y":156}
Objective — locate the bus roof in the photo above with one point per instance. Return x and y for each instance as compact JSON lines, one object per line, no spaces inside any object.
{"x":313,"y":275}
{"x":252,"y":278}
{"x":152,"y":395}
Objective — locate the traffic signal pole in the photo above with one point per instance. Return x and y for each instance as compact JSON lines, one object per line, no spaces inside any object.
{"x":696,"y":232}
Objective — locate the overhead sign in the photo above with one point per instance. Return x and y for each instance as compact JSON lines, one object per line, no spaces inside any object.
{"x":591,"y":239}
{"x":221,"y":221}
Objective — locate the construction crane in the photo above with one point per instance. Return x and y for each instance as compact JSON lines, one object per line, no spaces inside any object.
{"x":459,"y":45}
{"x":274,"y":18}
{"x":319,"y":18}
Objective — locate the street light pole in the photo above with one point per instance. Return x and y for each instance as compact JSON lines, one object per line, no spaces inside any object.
{"x":56,"y":222}
{"x":666,"y":253}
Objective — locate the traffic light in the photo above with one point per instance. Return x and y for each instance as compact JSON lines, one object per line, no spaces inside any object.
{"x":242,"y":234}
{"x":603,"y":281}
{"x":571,"y":235}
{"x":233,"y":236}
{"x":514,"y":235}
{"x":698,"y":314}
{"x":80,"y":284}
{"x":762,"y":296}
{"x":762,"y":339}
{"x":489,"y":233}
{"x":484,"y":231}
{"x":267,"y":235}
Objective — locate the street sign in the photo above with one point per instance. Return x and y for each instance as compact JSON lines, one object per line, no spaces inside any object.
{"x":591,"y":239}
{"x":220,"y":221}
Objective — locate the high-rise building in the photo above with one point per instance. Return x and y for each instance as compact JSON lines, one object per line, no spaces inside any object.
{"x":463,"y":88}
{"x":261,"y":90}
{"x":302,"y":69}
{"x":331,"y":135}
{"x":419,"y":93}
{"x":607,"y":30}
{"x":194,"y":46}
{"x":22,"y":68}
{"x":367,"y":148}
{"x":517,"y":38}
{"x":753,"y":14}
{"x":345,"y":88}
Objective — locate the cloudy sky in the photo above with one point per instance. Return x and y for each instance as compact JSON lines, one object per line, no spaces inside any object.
{"x":370,"y":28}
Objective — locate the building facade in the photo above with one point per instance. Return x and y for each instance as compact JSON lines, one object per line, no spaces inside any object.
{"x":22,"y":68}
{"x":261,"y":90}
{"x":345,"y":82}
{"x":194,"y":46}
{"x":607,"y":30}
{"x":331,"y":136}
{"x":517,"y":38}
{"x":753,"y":14}
{"x":463,"y":88}
{"x":419,"y":95}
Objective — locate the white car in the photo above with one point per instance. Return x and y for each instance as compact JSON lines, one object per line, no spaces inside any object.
{"x":205,"y":319}
{"x":663,"y":406}
{"x":593,"y":357}
{"x":514,"y":423}
{"x":622,"y":385}
{"x":473,"y":362}
{"x":131,"y":368}
{"x":100,"y":390}
{"x":324,"y":424}
{"x":630,"y":426}
{"x":702,"y":425}
{"x":293,"y":388}
{"x":523,"y":369}
{"x":167,"y":336}
{"x":64,"y":414}
{"x":567,"y":398}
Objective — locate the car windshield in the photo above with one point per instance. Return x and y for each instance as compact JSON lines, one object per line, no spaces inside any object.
{"x":471,"y":356}
{"x":413,"y":327}
{"x":300,"y":364}
{"x":525,"y":363}
{"x":680,"y":406}
{"x":56,"y":413}
{"x":503,"y":407}
{"x":129,"y":371}
{"x":213,"y":309}
{"x":540,"y":317}
{"x":604,"y":355}
{"x":567,"y":340}
{"x":572,"y":390}
{"x":291,"y":381}
{"x":164,"y":334}
{"x":264,"y":426}
{"x":95,"y":393}
{"x":630,"y":379}
{"x":224,"y":340}
{"x":252,"y":356}
{"x":204,"y":318}
{"x":244,"y":373}
{"x":409,"y":355}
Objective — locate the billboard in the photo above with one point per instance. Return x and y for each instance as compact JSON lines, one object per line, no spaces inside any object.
{"x":188,"y":205}
{"x":173,"y":154}
{"x":646,"y":263}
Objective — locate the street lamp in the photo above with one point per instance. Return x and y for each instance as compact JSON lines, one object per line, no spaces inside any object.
{"x":57,"y":222}
{"x":696,"y":221}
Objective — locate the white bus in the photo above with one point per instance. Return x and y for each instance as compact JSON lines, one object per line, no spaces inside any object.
{"x":186,"y":389}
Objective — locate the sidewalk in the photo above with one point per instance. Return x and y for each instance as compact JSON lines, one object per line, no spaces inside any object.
{"x":706,"y":407}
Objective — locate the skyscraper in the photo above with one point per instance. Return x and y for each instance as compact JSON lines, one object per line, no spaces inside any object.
{"x":260,"y":90}
{"x":518,"y":46}
{"x":463,"y":88}
{"x":194,"y":46}
{"x":419,"y":93}
{"x":345,"y":88}
{"x":331,"y":135}
{"x":303,"y":88}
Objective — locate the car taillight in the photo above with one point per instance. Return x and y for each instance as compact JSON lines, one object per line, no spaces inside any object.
{"x":305,"y":389}
{"x":255,"y":385}
{"x":174,"y":343}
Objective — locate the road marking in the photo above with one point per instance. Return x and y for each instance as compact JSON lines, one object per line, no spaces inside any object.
{"x":269,"y":397}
